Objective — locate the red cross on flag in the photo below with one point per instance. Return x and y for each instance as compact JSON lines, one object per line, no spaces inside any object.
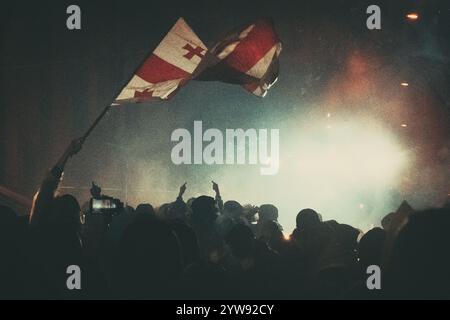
{"x":167,"y":68}
{"x":247,"y":56}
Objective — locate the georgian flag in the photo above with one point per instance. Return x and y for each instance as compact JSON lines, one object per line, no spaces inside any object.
{"x":247,"y":56}
{"x":169,"y":66}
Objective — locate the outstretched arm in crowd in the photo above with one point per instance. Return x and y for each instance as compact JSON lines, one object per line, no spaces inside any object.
{"x":44,"y":196}
{"x":181,"y":193}
{"x":218,"y":198}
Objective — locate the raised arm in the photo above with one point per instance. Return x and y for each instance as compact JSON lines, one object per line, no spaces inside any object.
{"x":44,"y":196}
{"x":218,"y":198}
{"x":182,"y":191}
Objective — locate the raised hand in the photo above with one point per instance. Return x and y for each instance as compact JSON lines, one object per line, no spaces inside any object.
{"x":182,"y":189}
{"x":215,"y":187}
{"x":95,"y":190}
{"x":73,"y":148}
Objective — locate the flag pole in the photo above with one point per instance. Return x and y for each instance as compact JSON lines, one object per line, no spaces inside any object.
{"x":97,"y":120}
{"x":112,"y":103}
{"x":106,"y":109}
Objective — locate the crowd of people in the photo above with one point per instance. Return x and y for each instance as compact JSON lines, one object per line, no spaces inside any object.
{"x":207,"y":248}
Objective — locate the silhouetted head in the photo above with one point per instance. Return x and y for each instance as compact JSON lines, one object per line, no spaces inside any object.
{"x":271,"y":232}
{"x":307,"y":218}
{"x":268,"y":212}
{"x":370,"y":247}
{"x":177,"y":210}
{"x":233,"y":209}
{"x":66,"y":212}
{"x":420,"y":260}
{"x":163,"y":209}
{"x":204,"y":210}
{"x":189,"y":202}
{"x":145,"y":208}
{"x":145,"y":211}
{"x":241,"y":240}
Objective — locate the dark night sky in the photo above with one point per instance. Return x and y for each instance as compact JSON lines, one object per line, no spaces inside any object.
{"x":54,"y":82}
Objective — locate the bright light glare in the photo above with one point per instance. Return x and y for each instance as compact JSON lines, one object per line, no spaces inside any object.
{"x":333,"y":170}
{"x":332,"y":165}
{"x":350,"y":154}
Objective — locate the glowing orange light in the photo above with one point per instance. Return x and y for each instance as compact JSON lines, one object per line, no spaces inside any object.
{"x":412,"y":16}
{"x":404,"y":84}
{"x":404,"y":125}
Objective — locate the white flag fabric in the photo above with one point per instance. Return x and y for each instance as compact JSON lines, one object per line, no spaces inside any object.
{"x":170,"y":65}
{"x":246,"y":56}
